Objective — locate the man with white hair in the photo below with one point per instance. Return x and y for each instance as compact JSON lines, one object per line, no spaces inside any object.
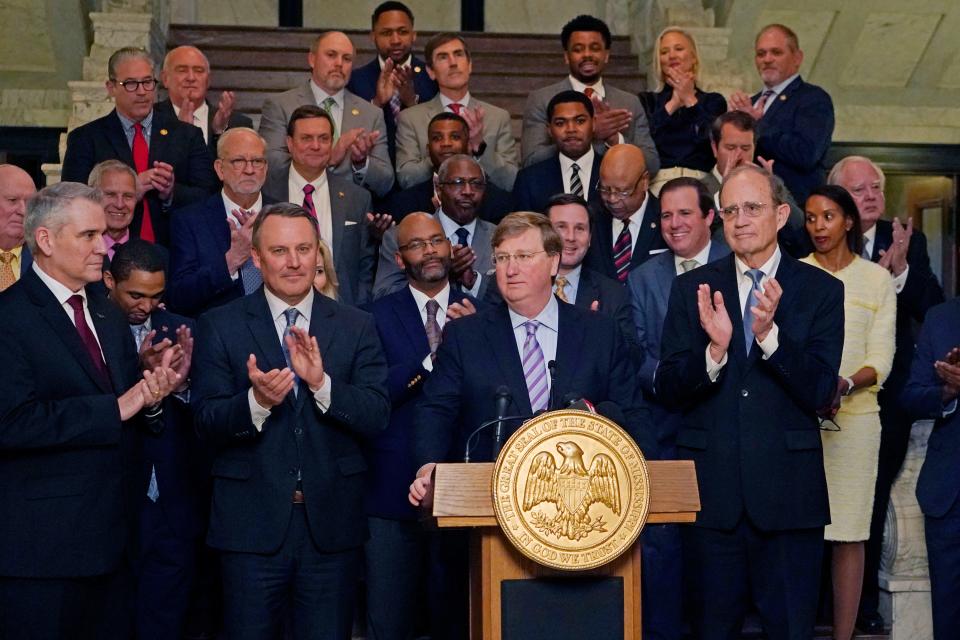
{"x":16,"y":189}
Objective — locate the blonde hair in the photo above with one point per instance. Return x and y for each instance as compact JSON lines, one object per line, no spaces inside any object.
{"x":658,"y":70}
{"x":332,"y":288}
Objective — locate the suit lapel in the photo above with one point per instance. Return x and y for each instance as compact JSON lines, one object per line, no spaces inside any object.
{"x":881,"y":241}
{"x":666,"y":273}
{"x":110,"y":343}
{"x":408,"y":317}
{"x":587,"y":290}
{"x":783,"y":97}
{"x":338,"y":215}
{"x":322,"y":329}
{"x":727,"y":276}
{"x":118,"y":139}
{"x":261,"y":326}
{"x":158,"y":137}
{"x":570,"y":337}
{"x":219,"y":226}
{"x":500,"y":335}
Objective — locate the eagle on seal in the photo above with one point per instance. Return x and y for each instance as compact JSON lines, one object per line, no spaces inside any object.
{"x":572,"y":489}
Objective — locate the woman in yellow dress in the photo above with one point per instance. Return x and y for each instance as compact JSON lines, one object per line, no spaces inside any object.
{"x":851,"y":444}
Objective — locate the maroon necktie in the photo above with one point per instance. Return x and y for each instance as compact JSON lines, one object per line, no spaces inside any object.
{"x":86,"y":336}
{"x":141,"y":162}
{"x":455,"y":107}
{"x":623,"y":253}
{"x":308,"y":190}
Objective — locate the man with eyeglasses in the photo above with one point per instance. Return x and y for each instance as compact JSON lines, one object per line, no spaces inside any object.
{"x":750,"y":351}
{"x":173,"y":165}
{"x":626,"y":231}
{"x":461,"y":185}
{"x":210,"y":252}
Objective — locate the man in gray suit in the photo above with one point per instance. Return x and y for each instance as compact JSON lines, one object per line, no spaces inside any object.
{"x":686,"y":211}
{"x":339,"y":207}
{"x":491,"y":136}
{"x":618,"y":116}
{"x":461,"y":184}
{"x":359,"y":132}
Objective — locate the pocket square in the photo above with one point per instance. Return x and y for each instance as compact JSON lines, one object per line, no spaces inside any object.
{"x":347,"y":223}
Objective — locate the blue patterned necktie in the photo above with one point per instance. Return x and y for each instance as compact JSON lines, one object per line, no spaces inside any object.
{"x":291,"y":317}
{"x":534,"y":371}
{"x":463,"y":237}
{"x":756,"y":276}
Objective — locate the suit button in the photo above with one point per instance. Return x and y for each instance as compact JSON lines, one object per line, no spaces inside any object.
{"x":744,"y":393}
{"x":298,"y":431}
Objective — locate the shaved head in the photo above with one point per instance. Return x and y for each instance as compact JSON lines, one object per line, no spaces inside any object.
{"x":623,"y":180}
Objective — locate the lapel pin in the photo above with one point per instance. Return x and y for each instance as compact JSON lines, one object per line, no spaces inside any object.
{"x":653,"y":225}
{"x":783,"y":97}
{"x":355,"y":111}
{"x":416,"y":69}
{"x":340,"y":194}
{"x":163,"y":132}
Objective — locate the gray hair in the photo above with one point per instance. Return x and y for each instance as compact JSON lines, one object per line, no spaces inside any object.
{"x":109,"y":166}
{"x":50,"y":208}
{"x":166,"y":58}
{"x":127,"y":53}
{"x":778,"y":190}
{"x":834,"y":176}
{"x":224,"y":139}
{"x":460,"y":157}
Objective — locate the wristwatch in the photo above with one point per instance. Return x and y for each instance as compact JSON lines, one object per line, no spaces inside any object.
{"x":849,"y":386}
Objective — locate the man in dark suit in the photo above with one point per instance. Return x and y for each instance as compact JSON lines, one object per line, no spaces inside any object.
{"x":72,"y":403}
{"x":186,"y":77}
{"x":395,"y":79}
{"x":625,"y":232}
{"x":410,"y":323}
{"x":171,"y":489}
{"x":902,"y":251}
{"x":171,"y":159}
{"x":687,"y":212}
{"x":210,"y":253}
{"x":339,"y":206}
{"x":619,"y":116}
{"x":448,"y":135}
{"x":794,"y":118}
{"x":574,"y":168}
{"x":749,"y":385}
{"x":288,"y":383}
{"x":931,"y":393}
{"x":16,"y":189}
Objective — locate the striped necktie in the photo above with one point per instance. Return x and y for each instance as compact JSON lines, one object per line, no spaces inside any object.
{"x":756,"y":276}
{"x":576,"y":186}
{"x":534,"y":370}
{"x":623,"y":253}
{"x":560,"y":283}
{"x":327,"y":105}
{"x":433,"y":327}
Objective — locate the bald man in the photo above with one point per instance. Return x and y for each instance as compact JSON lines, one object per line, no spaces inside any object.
{"x":186,"y":77}
{"x":16,"y":188}
{"x":626,"y":230}
{"x":360,"y":134}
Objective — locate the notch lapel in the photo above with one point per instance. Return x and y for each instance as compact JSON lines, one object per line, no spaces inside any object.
{"x":110,"y":343}
{"x":118,"y":139}
{"x":499,"y":334}
{"x":408,"y":317}
{"x":570,"y":337}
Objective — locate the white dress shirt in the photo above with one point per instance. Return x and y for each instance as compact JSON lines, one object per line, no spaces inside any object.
{"x":702,"y":258}
{"x":443,"y":300}
{"x":450,"y":227}
{"x":321,"y":202}
{"x":446,"y":102}
{"x":635,"y":220}
{"x":777,"y":90}
{"x":62,"y":293}
{"x":201,"y":116}
{"x":230,"y":206}
{"x":585,"y":163}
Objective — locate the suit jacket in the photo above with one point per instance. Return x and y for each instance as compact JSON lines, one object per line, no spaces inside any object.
{"x":181,"y":146}
{"x":600,"y":255}
{"x":479,"y":353}
{"x":754,"y":433}
{"x":237,"y":119}
{"x":69,"y":466}
{"x":200,"y":236}
{"x":26,"y":260}
{"x":357,"y":112}
{"x":683,"y":137}
{"x":499,"y":159}
{"x":255,"y":472}
{"x":354,"y":252}
{"x":496,"y":203}
{"x":920,"y":292}
{"x":536,"y":143}
{"x":390,"y":278}
{"x":536,"y":184}
{"x":363,"y":82}
{"x":796,"y":132}
{"x":390,"y":453}
{"x":939,"y":483}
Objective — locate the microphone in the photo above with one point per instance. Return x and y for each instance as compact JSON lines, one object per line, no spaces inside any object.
{"x":552,"y":398}
{"x":502,"y":400}
{"x":489,"y":423}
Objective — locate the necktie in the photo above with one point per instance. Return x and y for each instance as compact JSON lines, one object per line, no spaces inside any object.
{"x":755,"y":275}
{"x":308,"y":190}
{"x":534,"y":371}
{"x":455,"y":107}
{"x":432,"y":327}
{"x":153,"y":491}
{"x":139,"y":333}
{"x":623,"y":253}
{"x":250,"y":277}
{"x":87,"y":338}
{"x":141,"y":162}
{"x":762,"y":102}
{"x":463,"y":237}
{"x":7,"y":277}
{"x":689,"y":265}
{"x":865,"y":253}
{"x":291,"y":317}
{"x":395,"y":106}
{"x":327,"y":105}
{"x":560,"y":283}
{"x":588,"y":91}
{"x":576,"y":187}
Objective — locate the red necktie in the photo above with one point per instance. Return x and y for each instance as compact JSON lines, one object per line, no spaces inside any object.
{"x":86,"y":336}
{"x":623,"y":253}
{"x":308,"y":190}
{"x":455,"y":107}
{"x":588,"y":91}
{"x":141,"y":162}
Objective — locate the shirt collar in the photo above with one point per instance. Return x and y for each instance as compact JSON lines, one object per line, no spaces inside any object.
{"x":596,"y":86}
{"x":17,"y":251}
{"x":127,"y":123}
{"x":278,"y":306}
{"x":405,"y":64}
{"x":446,"y":102}
{"x":60,"y":291}
{"x":147,"y":326}
{"x":716,"y":174}
{"x":110,"y":243}
{"x":300,"y":182}
{"x":450,"y":225}
{"x":585,"y":162}
{"x":442,"y":298}
{"x":229,"y":205}
{"x":201,"y":113}
{"x":637,"y":216}
{"x":778,"y":88}
{"x":573,"y":278}
{"x":871,"y":235}
{"x":320,"y":95}
{"x":769,"y":267}
{"x":548,"y":317}
{"x":702,"y":258}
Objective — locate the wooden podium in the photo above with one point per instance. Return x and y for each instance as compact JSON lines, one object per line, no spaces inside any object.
{"x":462,"y":498}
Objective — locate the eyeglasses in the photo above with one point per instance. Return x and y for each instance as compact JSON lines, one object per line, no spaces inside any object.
{"x":749,"y":209}
{"x":618,"y":194}
{"x":419,"y":245}
{"x":132,"y":85}
{"x":523,"y":258}
{"x":460,"y":183}
{"x":239,"y":164}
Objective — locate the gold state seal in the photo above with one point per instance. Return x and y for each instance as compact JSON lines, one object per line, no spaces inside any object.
{"x":571,"y":490}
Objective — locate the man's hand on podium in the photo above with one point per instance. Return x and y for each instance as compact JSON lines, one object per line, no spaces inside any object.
{"x":421,"y":486}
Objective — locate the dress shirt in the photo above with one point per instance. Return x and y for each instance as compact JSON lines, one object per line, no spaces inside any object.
{"x":111,"y":244}
{"x":321,"y":396}
{"x":62,"y":294}
{"x":201,"y":116}
{"x":573,"y":283}
{"x":777,"y":90}
{"x":15,"y":263}
{"x":321,"y":202}
{"x":230,"y":206}
{"x":769,"y":344}
{"x":702,"y":258}
{"x":449,"y":229}
{"x":598,"y":90}
{"x":549,"y":319}
{"x":403,"y":65}
{"x":336,"y":112}
{"x":446,"y":102}
{"x":634,"y":221}
{"x":443,"y":299}
{"x":585,"y":162}
{"x":869,"y":239}
{"x":127,"y":123}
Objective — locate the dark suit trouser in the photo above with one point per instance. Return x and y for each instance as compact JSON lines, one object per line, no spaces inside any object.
{"x":261,"y":590}
{"x":395,"y":554}
{"x":167,"y":569}
{"x":943,"y":557}
{"x":894,"y":439}
{"x":662,"y":579}
{"x":779,"y":572}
